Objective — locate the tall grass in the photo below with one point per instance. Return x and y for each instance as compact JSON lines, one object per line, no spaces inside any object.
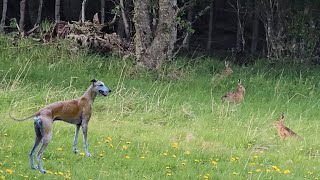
{"x":165,"y":125}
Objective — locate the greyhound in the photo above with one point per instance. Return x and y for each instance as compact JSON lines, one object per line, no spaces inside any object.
{"x":77,"y":111}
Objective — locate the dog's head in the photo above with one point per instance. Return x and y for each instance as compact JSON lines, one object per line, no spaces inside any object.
{"x":99,"y":87}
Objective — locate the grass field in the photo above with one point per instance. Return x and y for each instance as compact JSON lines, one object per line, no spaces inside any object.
{"x":166,"y":125}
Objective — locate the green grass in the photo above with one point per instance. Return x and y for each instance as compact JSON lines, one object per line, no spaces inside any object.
{"x":165,"y":125}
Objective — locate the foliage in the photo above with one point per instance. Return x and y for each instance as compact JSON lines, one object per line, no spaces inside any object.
{"x":159,"y":128}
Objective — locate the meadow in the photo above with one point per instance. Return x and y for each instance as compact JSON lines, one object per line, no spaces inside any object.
{"x":169,"y":124}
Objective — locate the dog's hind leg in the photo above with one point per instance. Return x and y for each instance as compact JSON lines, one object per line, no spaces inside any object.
{"x":38,"y":129}
{"x":47,"y":134}
{"x":75,"y":141}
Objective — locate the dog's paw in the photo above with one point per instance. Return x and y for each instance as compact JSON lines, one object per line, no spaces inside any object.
{"x":43,"y":171}
{"x":34,"y":167}
{"x":89,"y":155}
{"x":75,"y":151}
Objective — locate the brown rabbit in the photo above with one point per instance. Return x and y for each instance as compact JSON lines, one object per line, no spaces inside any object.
{"x":236,"y":96}
{"x":227,"y":71}
{"x":283,"y":131}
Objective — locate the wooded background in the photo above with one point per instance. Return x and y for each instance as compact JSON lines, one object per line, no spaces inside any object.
{"x":159,"y":29}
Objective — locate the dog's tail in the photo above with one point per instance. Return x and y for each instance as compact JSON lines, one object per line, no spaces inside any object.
{"x":16,"y":119}
{"x":23,"y":119}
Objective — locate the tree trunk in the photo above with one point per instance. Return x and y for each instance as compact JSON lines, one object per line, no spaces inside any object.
{"x":153,"y":52}
{"x":190,"y":19}
{"x":22,"y":16}
{"x":39,"y":12}
{"x":102,"y":11}
{"x":4,"y":15}
{"x":83,"y":11}
{"x":210,"y":26}
{"x":255,"y":29}
{"x":57,"y":11}
{"x":124,"y":19}
{"x":143,"y":34}
{"x":240,"y":42}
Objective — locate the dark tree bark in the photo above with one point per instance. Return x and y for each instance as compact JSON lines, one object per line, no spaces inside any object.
{"x":255,"y":29}
{"x":57,"y":11}
{"x":22,"y":16}
{"x":83,"y":11}
{"x":39,"y":12}
{"x":102,"y":11}
{"x":124,"y":19}
{"x":154,"y":51}
{"x":210,"y":27}
{"x":190,"y":19}
{"x":4,"y":15}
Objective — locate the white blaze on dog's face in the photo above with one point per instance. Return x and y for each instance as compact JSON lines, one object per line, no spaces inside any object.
{"x":100,"y":87}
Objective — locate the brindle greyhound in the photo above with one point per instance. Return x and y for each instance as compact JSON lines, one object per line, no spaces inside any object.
{"x":76,"y":112}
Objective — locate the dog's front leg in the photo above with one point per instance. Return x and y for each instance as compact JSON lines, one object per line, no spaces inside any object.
{"x":75,"y":141}
{"x":85,"y":140}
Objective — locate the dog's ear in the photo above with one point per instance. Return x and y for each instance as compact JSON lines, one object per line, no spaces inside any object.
{"x":93,"y":81}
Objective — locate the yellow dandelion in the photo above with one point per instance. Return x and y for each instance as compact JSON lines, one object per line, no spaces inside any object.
{"x":98,"y":142}
{"x":237,"y":158}
{"x":127,"y":157}
{"x":187,"y":152}
{"x":101,"y":154}
{"x":233,"y":159}
{"x":167,"y":167}
{"x":252,"y":164}
{"x":9,"y":171}
{"x":60,"y":173}
{"x":197,"y":160}
{"x":81,"y":153}
{"x":49,"y":172}
{"x":142,"y":157}
{"x":108,"y":140}
{"x":258,"y":170}
{"x":255,"y":157}
{"x":175,"y":145}
{"x":2,"y":177}
{"x":174,"y":156}
{"x":124,"y":147}
{"x":59,"y":149}
{"x":214,"y":163}
{"x":111,"y":146}
{"x":268,"y":170}
{"x":165,"y":154}
{"x":168,"y":174}
{"x":205,"y":177}
{"x":287,"y":171}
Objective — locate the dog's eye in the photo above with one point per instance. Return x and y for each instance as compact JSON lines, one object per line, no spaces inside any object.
{"x":100,"y":85}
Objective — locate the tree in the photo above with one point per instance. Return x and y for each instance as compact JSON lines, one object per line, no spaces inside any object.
{"x":102,"y":11}
{"x":39,"y":12}
{"x":210,"y":26}
{"x":4,"y":15}
{"x":22,"y":16}
{"x":155,"y":46}
{"x":83,"y":11}
{"x":57,"y":11}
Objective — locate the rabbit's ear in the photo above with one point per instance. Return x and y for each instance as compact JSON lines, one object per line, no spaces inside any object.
{"x":239,"y":81}
{"x":226,"y":64}
{"x":282,"y":117}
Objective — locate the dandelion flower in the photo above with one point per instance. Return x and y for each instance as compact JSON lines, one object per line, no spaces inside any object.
{"x":287,"y":171}
{"x":101,"y":154}
{"x":167,"y":167}
{"x":127,"y":157}
{"x":255,"y":157}
{"x":142,"y":157}
{"x":268,"y":170}
{"x":174,"y":156}
{"x":165,"y":154}
{"x":124,"y":147}
{"x":175,"y":145}
{"x":233,"y":159}
{"x":59,"y":149}
{"x":60,"y":173}
{"x":168,"y":174}
{"x":2,"y":177}
{"x":108,"y":140}
{"x":187,"y":152}
{"x":258,"y":170}
{"x":9,"y":171}
{"x":111,"y":146}
{"x":49,"y":172}
{"x":81,"y":153}
{"x":214,"y":163}
{"x":205,"y":177}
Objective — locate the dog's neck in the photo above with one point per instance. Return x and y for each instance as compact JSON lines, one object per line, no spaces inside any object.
{"x":90,"y":94}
